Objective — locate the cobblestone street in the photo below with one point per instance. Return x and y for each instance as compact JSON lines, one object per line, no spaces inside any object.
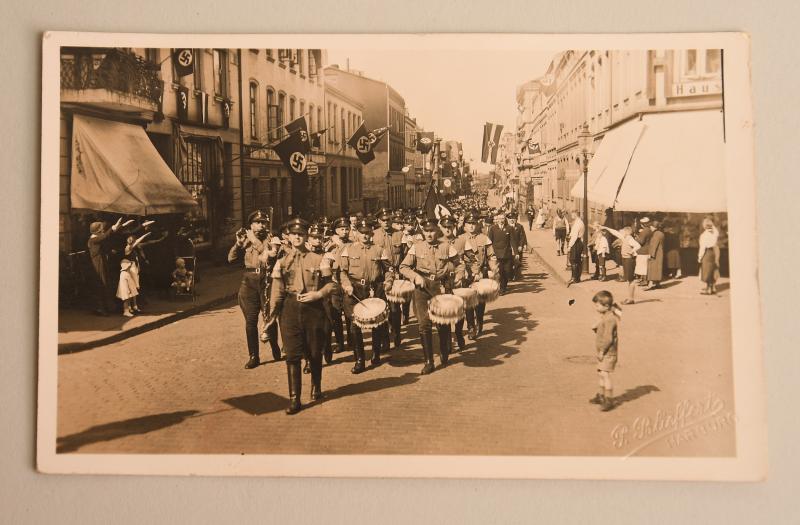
{"x":522,"y":388}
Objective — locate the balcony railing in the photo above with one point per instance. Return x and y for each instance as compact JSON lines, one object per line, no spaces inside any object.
{"x":113,"y":69}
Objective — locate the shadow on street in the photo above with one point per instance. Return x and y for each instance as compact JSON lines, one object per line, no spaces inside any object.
{"x":120,"y":429}
{"x":258,"y":404}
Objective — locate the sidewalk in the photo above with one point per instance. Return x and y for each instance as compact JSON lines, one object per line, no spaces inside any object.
{"x":543,"y":245}
{"x":80,"y":330}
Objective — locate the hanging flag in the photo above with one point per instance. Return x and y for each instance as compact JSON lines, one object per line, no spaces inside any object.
{"x":364,"y":142}
{"x":424,"y":141}
{"x":533,"y":147}
{"x":203,"y":107}
{"x":491,"y":140}
{"x":183,"y":103}
{"x":434,"y":209}
{"x":183,"y":59}
{"x":299,"y":127}
{"x":293,"y":152}
{"x":316,"y":138}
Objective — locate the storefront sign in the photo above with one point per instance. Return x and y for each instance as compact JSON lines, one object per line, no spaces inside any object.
{"x":695,"y":88}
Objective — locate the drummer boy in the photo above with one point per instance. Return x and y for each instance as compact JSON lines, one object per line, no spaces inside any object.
{"x":365,"y":271}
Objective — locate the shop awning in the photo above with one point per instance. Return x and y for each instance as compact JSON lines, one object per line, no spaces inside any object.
{"x":669,"y":162}
{"x":115,"y":168}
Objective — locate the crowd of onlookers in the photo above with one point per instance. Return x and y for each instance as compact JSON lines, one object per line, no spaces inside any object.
{"x":649,"y":248}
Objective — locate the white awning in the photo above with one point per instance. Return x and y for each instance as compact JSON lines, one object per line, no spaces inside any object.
{"x":669,"y":162}
{"x":115,"y":168}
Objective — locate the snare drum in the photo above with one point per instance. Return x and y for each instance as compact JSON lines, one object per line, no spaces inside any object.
{"x":469,"y":295}
{"x":446,"y":309}
{"x":370,"y":313}
{"x":401,"y":291}
{"x":488,"y":290}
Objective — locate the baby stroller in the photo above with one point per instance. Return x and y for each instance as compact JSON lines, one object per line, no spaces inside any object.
{"x":184,"y":250}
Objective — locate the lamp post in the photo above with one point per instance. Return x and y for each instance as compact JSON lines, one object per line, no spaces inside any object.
{"x":584,"y":141}
{"x":388,"y":187}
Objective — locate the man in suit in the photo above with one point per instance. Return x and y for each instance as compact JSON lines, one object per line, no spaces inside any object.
{"x":519,"y":240}
{"x":500,"y":236}
{"x":575,"y":247}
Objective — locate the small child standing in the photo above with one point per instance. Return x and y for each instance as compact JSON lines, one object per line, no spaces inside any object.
{"x":127,"y":290}
{"x":606,"y":342}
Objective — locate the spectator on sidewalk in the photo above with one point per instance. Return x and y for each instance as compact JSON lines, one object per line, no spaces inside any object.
{"x":500,"y":236}
{"x":708,"y":256}
{"x":520,"y":242}
{"x":672,"y":249}
{"x":628,"y":249}
{"x":541,"y":217}
{"x":127,"y":290}
{"x":530,"y":213}
{"x":97,"y":244}
{"x":643,"y":238}
{"x":655,"y":265}
{"x":606,"y":346}
{"x":560,"y":230}
{"x":576,"y":247}
{"x":599,"y":250}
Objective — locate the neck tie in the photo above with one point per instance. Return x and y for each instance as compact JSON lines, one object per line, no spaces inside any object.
{"x":299,"y":283}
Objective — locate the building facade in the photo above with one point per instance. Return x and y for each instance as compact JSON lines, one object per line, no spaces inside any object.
{"x":344,"y":178}
{"x":189,"y":119}
{"x":383,"y":181}
{"x":603,"y":89}
{"x":279,"y":86}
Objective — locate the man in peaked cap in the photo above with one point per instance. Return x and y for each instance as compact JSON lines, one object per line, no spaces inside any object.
{"x":520,"y":242}
{"x":500,"y":235}
{"x":428,"y":264}
{"x":254,"y":249}
{"x":480,"y":262}
{"x":302,"y":281}
{"x":338,"y":241}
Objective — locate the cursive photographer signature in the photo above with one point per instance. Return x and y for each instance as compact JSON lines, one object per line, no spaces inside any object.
{"x":688,"y":420}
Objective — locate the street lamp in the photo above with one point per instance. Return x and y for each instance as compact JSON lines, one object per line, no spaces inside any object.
{"x":388,"y":186}
{"x":584,"y":142}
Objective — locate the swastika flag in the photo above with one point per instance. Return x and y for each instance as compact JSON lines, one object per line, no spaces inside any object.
{"x":364,"y":142}
{"x":491,"y":141}
{"x":293,"y":151}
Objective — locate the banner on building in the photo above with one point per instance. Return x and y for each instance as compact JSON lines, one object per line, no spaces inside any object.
{"x":298,"y":125}
{"x":293,"y":152}
{"x":533,"y":147}
{"x":364,"y":142}
{"x":183,"y":103}
{"x":316,"y":138}
{"x":424,"y":141}
{"x":183,"y":60}
{"x":433,"y":206}
{"x":491,"y":142}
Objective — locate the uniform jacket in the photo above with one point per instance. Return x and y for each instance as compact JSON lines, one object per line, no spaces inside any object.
{"x":478,"y":254}
{"x":501,"y":240}
{"x":255,"y":252}
{"x":436,"y":261}
{"x":366,"y":265}
{"x":316,"y":275}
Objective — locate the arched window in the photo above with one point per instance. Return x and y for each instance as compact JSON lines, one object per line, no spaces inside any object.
{"x":302,"y":109}
{"x":281,"y":113}
{"x":311,"y":116}
{"x":253,"y":110}
{"x":292,"y":114}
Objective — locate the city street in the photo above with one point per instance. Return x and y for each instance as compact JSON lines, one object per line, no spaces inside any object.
{"x":521,"y":389}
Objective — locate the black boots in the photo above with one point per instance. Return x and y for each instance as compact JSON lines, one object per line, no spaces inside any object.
{"x":358,"y":351}
{"x":427,"y":350}
{"x":380,"y":336}
{"x":252,"y":362}
{"x":295,"y":386}
{"x":316,"y":378}
{"x":444,"y":345}
{"x":460,"y":343}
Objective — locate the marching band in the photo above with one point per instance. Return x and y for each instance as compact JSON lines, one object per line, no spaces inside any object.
{"x":317,"y":282}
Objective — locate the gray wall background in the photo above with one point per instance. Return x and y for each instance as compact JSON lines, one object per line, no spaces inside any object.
{"x":26,"y":496}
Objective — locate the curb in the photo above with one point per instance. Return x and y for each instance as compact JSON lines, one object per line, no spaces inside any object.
{"x":552,"y":271}
{"x":71,"y":348}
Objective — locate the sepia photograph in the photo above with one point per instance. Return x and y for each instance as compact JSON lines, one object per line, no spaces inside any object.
{"x":386,"y":255}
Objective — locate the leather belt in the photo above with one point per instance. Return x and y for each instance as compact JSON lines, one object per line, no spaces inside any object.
{"x":253,"y":270}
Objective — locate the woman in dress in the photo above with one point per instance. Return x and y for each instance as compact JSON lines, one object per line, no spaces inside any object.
{"x":708,"y":256}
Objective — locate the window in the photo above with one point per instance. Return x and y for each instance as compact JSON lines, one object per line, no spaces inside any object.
{"x":312,"y":65}
{"x":311,"y":115}
{"x":220,"y":72}
{"x":270,"y":56}
{"x":691,"y":62}
{"x":300,"y":61}
{"x":302,"y":109}
{"x":253,"y":111}
{"x":292,"y":103}
{"x":350,"y":128}
{"x":320,"y":123}
{"x":341,"y":121}
{"x":198,"y":71}
{"x":272,"y":115}
{"x":333,"y":122}
{"x":281,"y":114}
{"x":331,"y":133}
{"x":151,"y":54}
{"x":713,"y":60}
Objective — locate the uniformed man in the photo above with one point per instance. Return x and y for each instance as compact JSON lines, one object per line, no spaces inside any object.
{"x":410,"y":236}
{"x":447,"y":225}
{"x":398,"y":251}
{"x":428,"y":264}
{"x":519,"y":240}
{"x":366,"y":271}
{"x":316,"y":236}
{"x":253,"y":246}
{"x":383,"y":237}
{"x":302,"y":281}
{"x":505,"y":251}
{"x":338,"y":241}
{"x":480,"y":262}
